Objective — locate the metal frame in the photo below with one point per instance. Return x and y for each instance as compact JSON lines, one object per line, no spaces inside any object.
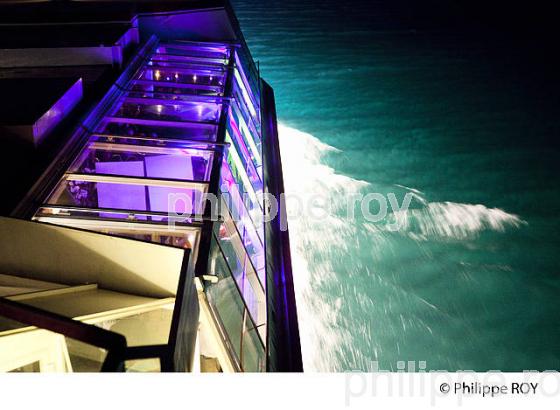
{"x":225,"y":336}
{"x":196,"y":218}
{"x":213,"y":88}
{"x":210,"y":145}
{"x":159,"y":123}
{"x":279,"y":288}
{"x":114,"y":343}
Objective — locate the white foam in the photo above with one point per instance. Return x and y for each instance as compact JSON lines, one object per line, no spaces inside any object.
{"x":455,"y":220}
{"x":305,"y":175}
{"x":317,"y":245}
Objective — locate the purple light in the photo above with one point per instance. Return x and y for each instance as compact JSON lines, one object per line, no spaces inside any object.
{"x":44,"y":125}
{"x":120,"y":196}
{"x":134,"y":167}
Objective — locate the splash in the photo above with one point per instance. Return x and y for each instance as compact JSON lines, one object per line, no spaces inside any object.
{"x":318,"y":245}
{"x":304,"y":175}
{"x":456,"y":220}
{"x":451,"y":220}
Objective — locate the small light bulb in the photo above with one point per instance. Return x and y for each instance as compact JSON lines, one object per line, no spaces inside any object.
{"x":157,"y":75}
{"x":194,"y":78}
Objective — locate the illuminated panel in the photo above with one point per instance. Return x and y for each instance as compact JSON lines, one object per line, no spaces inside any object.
{"x":128,"y":193}
{"x":237,"y":254}
{"x":159,"y":140}
{"x":164,"y":109}
{"x":155,"y":143}
{"x":154,"y":161}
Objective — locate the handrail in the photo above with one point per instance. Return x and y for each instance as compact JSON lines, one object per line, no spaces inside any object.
{"x":176,"y":355}
{"x":113,"y":343}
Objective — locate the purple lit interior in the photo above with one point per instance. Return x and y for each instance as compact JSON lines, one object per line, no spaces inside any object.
{"x":121,"y":196}
{"x":158,"y":129}
{"x":193,"y":77}
{"x":187,"y":164}
{"x":115,"y":195}
{"x":246,"y":157}
{"x":165,"y":111}
{"x":194,"y":52}
{"x":158,"y":140}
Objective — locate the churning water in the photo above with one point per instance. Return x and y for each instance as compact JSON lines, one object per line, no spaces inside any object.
{"x":468,"y":129}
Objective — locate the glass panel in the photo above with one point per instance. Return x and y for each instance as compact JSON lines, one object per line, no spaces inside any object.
{"x":186,"y":238}
{"x":251,"y":236}
{"x":155,"y":129}
{"x":161,"y":109}
{"x":246,"y":162}
{"x":84,"y":357}
{"x":247,"y":114}
{"x":153,"y":142}
{"x":237,"y":176}
{"x":155,"y":162}
{"x":118,"y":195}
{"x":200,"y":78}
{"x":242,"y":269}
{"x":247,"y":95}
{"x":159,"y":62}
{"x":159,"y":88}
{"x":240,"y":92}
{"x":226,"y":302}
{"x":253,"y":358}
{"x":217,"y":52}
{"x":239,"y":203}
{"x":251,"y":137}
{"x":248,"y":73}
{"x":224,"y":298}
{"x":26,"y":348}
{"x":182,"y":61}
{"x":186,"y":66}
{"x":147,"y":92}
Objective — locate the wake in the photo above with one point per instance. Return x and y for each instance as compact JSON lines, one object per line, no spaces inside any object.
{"x":319,"y":245}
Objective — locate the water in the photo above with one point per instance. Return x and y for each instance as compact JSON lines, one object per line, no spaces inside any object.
{"x":468,"y":126}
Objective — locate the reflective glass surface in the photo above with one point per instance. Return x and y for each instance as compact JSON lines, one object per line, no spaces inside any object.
{"x":152,"y":154}
{"x":188,"y":164}
{"x":132,"y":196}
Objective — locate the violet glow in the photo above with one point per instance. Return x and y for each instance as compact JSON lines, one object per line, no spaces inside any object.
{"x":44,"y":125}
{"x":158,"y":141}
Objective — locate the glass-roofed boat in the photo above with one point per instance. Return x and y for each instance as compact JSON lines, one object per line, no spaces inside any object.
{"x":145,"y":241}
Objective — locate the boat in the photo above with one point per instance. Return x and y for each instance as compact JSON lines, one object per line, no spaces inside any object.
{"x":141,"y":154}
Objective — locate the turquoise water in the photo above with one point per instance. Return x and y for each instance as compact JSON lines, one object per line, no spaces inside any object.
{"x":467,"y":126}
